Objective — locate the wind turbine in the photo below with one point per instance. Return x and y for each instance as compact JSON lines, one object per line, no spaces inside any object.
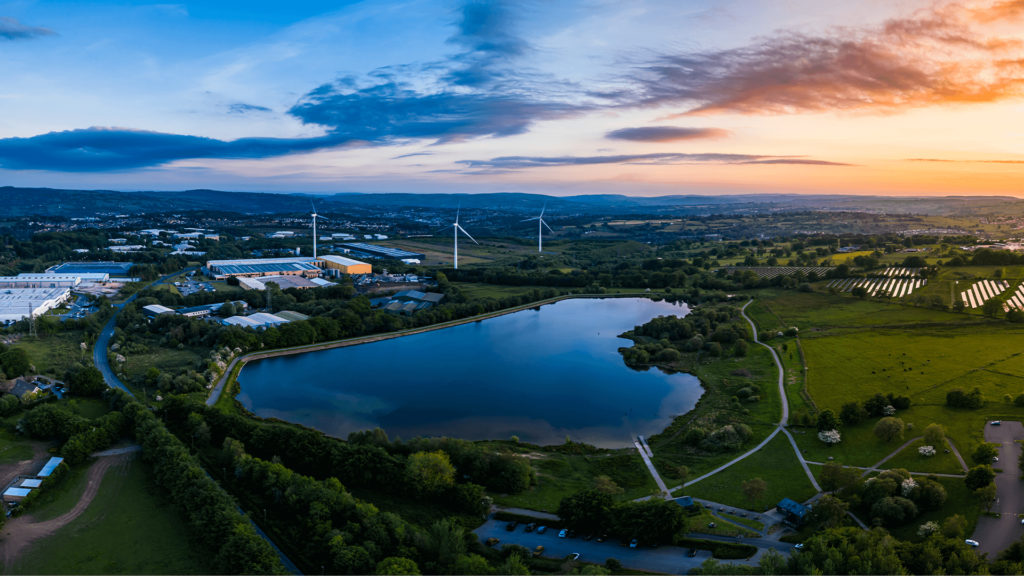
{"x":540,"y":230}
{"x":456,"y":228}
{"x":315,"y":216}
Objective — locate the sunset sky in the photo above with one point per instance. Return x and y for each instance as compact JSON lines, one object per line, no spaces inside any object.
{"x":640,"y":97}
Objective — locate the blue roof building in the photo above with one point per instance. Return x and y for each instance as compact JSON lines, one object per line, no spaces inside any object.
{"x":50,"y":467}
{"x":794,"y":513}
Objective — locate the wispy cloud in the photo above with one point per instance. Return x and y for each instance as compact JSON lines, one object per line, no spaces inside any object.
{"x":243,"y":108}
{"x":965,"y":161}
{"x":664,"y":134}
{"x":938,"y":55}
{"x":12,"y":29}
{"x":520,"y":162}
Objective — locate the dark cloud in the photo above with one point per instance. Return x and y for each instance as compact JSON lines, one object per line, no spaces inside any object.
{"x":243,"y":108}
{"x":664,"y":134}
{"x":12,"y":29}
{"x":519,"y":162}
{"x":101,"y":149}
{"x":486,"y":32}
{"x":935,"y":56}
{"x":388,"y":112}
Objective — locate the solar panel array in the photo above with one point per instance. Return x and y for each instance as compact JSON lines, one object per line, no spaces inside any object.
{"x":981,"y":291}
{"x":1016,"y":300}
{"x":896,"y":286}
{"x":773,"y":271}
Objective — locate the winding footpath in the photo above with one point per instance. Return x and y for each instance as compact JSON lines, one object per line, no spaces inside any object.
{"x":782,"y":423}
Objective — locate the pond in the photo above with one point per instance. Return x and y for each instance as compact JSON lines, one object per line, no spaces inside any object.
{"x":540,"y":374}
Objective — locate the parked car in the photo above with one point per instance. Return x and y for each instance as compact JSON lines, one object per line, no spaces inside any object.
{"x":530,"y":527}
{"x":492,"y":541}
{"x":602,"y":537}
{"x":996,"y":422}
{"x":542,"y":529}
{"x":538,"y":551}
{"x":563,"y":533}
{"x":511,"y":525}
{"x":799,"y":546}
{"x":712,"y":525}
{"x":633,"y":543}
{"x":692,"y":552}
{"x":588,"y":537}
{"x":973,"y":543}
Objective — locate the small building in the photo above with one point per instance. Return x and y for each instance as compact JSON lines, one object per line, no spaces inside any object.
{"x":118,"y":240}
{"x":207,"y":309}
{"x":283,"y":282}
{"x":793,"y":513}
{"x":686,"y":502}
{"x":430,"y":298}
{"x":258,"y":320}
{"x":22,"y":388}
{"x":16,"y":494}
{"x":321,"y":282}
{"x":50,"y":467}
{"x":30,"y":483}
{"x":365,"y":250}
{"x":154,"y":310}
{"x":344,"y":265}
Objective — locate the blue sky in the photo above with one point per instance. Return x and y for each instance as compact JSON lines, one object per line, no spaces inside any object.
{"x":564,"y":97}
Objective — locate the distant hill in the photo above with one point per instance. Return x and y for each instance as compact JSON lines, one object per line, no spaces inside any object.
{"x":71,"y":203}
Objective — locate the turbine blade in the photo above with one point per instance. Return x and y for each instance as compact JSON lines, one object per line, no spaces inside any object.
{"x":528,"y":219}
{"x":543,"y":209}
{"x":466,"y":233}
{"x":457,"y":210}
{"x":546,"y":226}
{"x":444,"y":228}
{"x":313,"y":205}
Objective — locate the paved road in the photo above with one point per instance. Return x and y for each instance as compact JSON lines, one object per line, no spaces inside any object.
{"x":666,"y":559}
{"x":654,"y":472}
{"x":215,"y":394}
{"x":996,"y":534}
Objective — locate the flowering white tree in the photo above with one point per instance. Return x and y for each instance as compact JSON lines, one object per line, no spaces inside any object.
{"x":907,"y":486}
{"x":926,"y":451}
{"x":829,"y":436}
{"x":928,"y":528}
{"x":889,"y":410}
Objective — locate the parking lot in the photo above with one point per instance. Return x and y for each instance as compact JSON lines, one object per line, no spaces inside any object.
{"x":79,"y":308}
{"x":665,"y":559}
{"x":188,"y":285}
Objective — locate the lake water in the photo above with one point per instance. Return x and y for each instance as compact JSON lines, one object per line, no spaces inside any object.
{"x":540,"y":374}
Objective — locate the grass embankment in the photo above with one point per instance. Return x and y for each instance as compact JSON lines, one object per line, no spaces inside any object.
{"x":776,"y":463}
{"x":560,"y":475}
{"x":127,"y":529}
{"x":52,"y":354}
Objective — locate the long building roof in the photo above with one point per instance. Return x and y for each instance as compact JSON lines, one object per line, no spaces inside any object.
{"x":264,"y":268}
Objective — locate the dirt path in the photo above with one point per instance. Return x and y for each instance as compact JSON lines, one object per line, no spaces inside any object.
{"x":19,"y":533}
{"x":9,"y":472}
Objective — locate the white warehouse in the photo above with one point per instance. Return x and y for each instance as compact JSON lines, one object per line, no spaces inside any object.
{"x":16,"y":303}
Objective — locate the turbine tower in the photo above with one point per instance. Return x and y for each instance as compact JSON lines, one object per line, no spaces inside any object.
{"x":456,"y":229}
{"x":315,"y":216}
{"x":540,"y":229}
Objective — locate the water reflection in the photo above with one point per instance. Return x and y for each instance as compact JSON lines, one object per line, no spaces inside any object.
{"x":540,"y":374}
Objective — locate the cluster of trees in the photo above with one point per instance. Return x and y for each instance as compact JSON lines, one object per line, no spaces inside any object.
{"x":323,"y":525}
{"x":652,"y":521}
{"x":368,"y":460}
{"x":707,"y":328}
{"x":80,"y":436}
{"x":853,"y":413}
{"x":891,"y":498}
{"x":958,"y":398}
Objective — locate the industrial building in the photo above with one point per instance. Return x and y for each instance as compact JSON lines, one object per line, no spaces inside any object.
{"x":154,"y":310}
{"x":254,"y":268}
{"x":18,"y":303}
{"x":409,"y":302}
{"x":344,"y":265}
{"x":283,"y":282}
{"x":207,"y":309}
{"x":113,"y":269}
{"x":257,"y":320}
{"x":30,"y":280}
{"x":372,"y":251}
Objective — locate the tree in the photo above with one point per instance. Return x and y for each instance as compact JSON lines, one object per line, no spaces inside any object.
{"x":893,"y":509}
{"x":586,"y":510}
{"x":835,"y":477}
{"x":959,"y":305}
{"x":396,"y":565}
{"x":514,"y":566}
{"x":934,"y":435}
{"x":984,"y":453}
{"x":15,"y":362}
{"x":875,"y":406}
{"x":852,"y":413}
{"x":859,"y":292}
{"x":829,"y":512}
{"x":607,"y":485}
{"x":430,"y":472}
{"x":754,"y":489}
{"x":152,"y":376}
{"x":682,"y":472}
{"x":954,"y":526}
{"x":979,"y":477}
{"x":827,"y":420}
{"x":957,"y":398}
{"x":471,"y":564}
{"x":987,"y":496}
{"x":992,"y":307}
{"x":87,"y":381}
{"x":227,"y":309}
{"x":740,"y":348}
{"x":653,"y":521}
{"x":889,"y":429}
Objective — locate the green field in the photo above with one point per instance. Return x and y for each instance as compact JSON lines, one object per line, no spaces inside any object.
{"x":776,"y":464}
{"x":941,"y":463}
{"x":127,"y":529}
{"x":51,"y":354}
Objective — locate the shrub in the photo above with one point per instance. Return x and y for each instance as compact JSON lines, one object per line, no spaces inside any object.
{"x":926,"y":451}
{"x":889,"y":429}
{"x":957,"y":398}
{"x":829,"y":437}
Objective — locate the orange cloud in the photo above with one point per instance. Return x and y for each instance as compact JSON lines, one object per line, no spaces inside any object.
{"x":935,"y":56}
